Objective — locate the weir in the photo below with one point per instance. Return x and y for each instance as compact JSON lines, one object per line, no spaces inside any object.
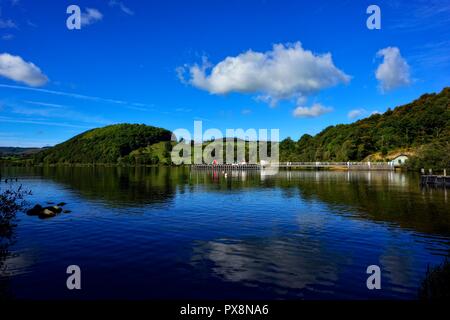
{"x":300,"y":165}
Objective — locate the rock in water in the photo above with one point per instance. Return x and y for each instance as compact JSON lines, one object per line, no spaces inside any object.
{"x":67,"y":211}
{"x":46,"y":213}
{"x":58,"y":209}
{"x":54,"y":209}
{"x":61,"y":204}
{"x":36,"y":210}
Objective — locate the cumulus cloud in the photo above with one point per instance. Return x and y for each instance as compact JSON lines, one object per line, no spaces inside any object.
{"x":90,"y":16}
{"x":285,"y":72}
{"x":310,"y":112}
{"x":15,"y":68}
{"x":393,"y":72}
{"x":356,"y":113}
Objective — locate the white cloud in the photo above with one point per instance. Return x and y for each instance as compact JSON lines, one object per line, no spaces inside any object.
{"x":15,"y":68}
{"x":246,"y":111}
{"x":431,"y":55}
{"x":432,"y":16}
{"x":7,"y":24}
{"x":40,"y":122}
{"x":285,"y":72}
{"x":393,"y":72}
{"x":121,"y":5}
{"x":45,"y":104}
{"x":31,"y":24}
{"x":55,"y":114}
{"x":309,"y":112}
{"x":90,"y":16}
{"x":75,"y":95}
{"x":62,"y":93}
{"x":7,"y":36}
{"x":356,"y":113}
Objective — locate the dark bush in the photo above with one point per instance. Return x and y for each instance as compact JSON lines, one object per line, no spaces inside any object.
{"x":436,"y":285}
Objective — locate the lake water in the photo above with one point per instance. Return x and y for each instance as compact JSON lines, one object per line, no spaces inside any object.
{"x":160,"y":233}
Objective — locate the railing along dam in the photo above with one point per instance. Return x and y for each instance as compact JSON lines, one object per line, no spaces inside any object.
{"x":300,"y":165}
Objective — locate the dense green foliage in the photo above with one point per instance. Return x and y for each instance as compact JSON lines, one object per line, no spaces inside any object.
{"x":111,"y":144}
{"x":158,"y":153}
{"x":431,"y":156}
{"x":426,"y":121}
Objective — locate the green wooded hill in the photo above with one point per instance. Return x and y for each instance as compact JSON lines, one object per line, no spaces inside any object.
{"x":422,"y":126}
{"x":121,"y":143}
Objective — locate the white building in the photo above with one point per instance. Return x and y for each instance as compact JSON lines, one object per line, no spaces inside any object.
{"x":399,"y":160}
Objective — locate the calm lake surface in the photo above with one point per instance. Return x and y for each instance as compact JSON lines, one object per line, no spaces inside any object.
{"x":140,"y":233}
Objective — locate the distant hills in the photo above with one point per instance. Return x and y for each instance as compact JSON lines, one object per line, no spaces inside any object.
{"x":18,"y":152}
{"x":420,"y":129}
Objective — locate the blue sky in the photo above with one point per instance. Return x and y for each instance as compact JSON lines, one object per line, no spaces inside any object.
{"x":166,"y":63}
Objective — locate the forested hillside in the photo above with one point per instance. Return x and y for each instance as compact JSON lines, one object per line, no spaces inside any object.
{"x":422,"y":126}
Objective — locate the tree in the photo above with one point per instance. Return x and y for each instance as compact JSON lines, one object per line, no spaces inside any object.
{"x":11,"y":201}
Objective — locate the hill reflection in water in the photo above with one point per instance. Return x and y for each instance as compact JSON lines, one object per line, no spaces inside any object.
{"x":177,"y":233}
